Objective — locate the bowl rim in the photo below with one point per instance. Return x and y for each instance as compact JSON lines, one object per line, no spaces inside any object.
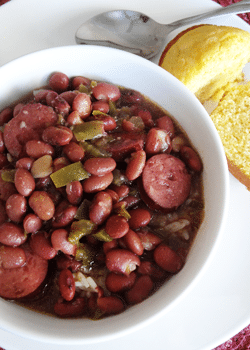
{"x":224,"y":174}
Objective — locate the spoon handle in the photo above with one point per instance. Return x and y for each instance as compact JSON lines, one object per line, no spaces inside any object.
{"x":239,"y":7}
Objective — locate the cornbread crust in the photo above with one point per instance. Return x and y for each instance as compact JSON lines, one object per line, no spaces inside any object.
{"x":208,"y":59}
{"x":232,"y":121}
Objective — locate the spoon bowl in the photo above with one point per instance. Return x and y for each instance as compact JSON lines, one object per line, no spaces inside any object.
{"x":136,"y":32}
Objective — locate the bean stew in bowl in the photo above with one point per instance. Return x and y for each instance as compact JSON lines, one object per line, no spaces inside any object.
{"x":111,"y":204}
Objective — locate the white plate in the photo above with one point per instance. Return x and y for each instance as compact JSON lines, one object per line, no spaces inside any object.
{"x":218,"y":306}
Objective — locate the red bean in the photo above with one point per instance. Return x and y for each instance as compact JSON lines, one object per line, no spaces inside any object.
{"x":24,"y":182}
{"x":100,"y":208}
{"x":148,"y":268}
{"x":107,"y":246}
{"x":16,"y":206}
{"x":36,"y":149}
{"x":68,"y":96}
{"x":66,"y":284}
{"x":57,"y":135}
{"x":50,"y":97}
{"x":177,"y":142}
{"x":110,"y":304}
{"x":59,"y":104}
{"x":32,"y":223}
{"x":6,"y":189}
{"x":12,"y":234}
{"x":82,"y":104}
{"x":68,"y":262}
{"x":101,"y":106}
{"x":11,"y":258}
{"x":59,"y":240}
{"x":134,"y":124}
{"x":42,"y":205}
{"x":40,"y":95}
{"x":191,"y":158}
{"x":136,"y":165}
{"x":116,"y":226}
{"x":41,"y":245}
{"x":99,"y":166}
{"x":121,"y":261}
{"x":97,"y":183}
{"x":140,"y":290}
{"x":43,"y":183}
{"x":64,"y":214}
{"x":59,"y":81}
{"x":167,"y":258}
{"x":139,"y":218}
{"x":113,"y":195}
{"x":106,"y":92}
{"x":74,"y":119}
{"x":24,"y":163}
{"x":2,"y":146}
{"x":158,"y":141}
{"x":6,"y":115}
{"x":149,"y":240}
{"x":130,"y":201}
{"x":74,"y":152}
{"x":17,"y":109}
{"x":74,"y":192}
{"x":71,"y":308}
{"x":133,"y":242}
{"x":78,"y":81}
{"x":60,"y":163}
{"x":146,"y":117}
{"x":166,"y":123}
{"x":132,"y":97}
{"x":109,"y":123}
{"x":122,"y":190}
{"x":116,"y":283}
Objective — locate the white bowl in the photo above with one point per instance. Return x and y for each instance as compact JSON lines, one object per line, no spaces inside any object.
{"x":26,"y":73}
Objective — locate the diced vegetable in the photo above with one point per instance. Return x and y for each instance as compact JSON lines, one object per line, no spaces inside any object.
{"x":94,"y":151}
{"x":85,"y":254}
{"x":82,"y":88}
{"x":123,"y":212}
{"x":89,"y":130}
{"x":83,"y":210}
{"x":96,"y":112}
{"x":80,"y":229}
{"x":119,"y":178}
{"x":8,"y":175}
{"x":69,"y":173}
{"x":102,"y":236}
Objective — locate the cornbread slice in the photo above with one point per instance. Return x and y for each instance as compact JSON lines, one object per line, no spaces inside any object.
{"x":208,"y":59}
{"x":232,"y":120}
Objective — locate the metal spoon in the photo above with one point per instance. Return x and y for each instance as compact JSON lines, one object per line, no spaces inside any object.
{"x":137,"y":33}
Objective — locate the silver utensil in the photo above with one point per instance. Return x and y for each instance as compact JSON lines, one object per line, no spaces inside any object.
{"x":137,"y":33}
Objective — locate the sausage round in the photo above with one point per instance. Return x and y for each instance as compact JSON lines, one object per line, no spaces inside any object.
{"x":27,"y":125}
{"x":166,"y":180}
{"x":21,"y":281}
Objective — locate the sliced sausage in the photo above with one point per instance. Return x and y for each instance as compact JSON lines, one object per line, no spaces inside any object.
{"x":19,"y":282}
{"x":27,"y":125}
{"x":166,"y":180}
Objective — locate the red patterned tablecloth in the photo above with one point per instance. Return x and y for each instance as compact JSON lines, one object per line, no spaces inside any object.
{"x":240,"y":341}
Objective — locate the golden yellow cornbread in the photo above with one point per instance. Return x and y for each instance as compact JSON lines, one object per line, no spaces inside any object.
{"x":232,"y":121}
{"x":208,"y":59}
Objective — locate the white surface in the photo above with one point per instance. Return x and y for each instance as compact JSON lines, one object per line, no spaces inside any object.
{"x":218,"y":306}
